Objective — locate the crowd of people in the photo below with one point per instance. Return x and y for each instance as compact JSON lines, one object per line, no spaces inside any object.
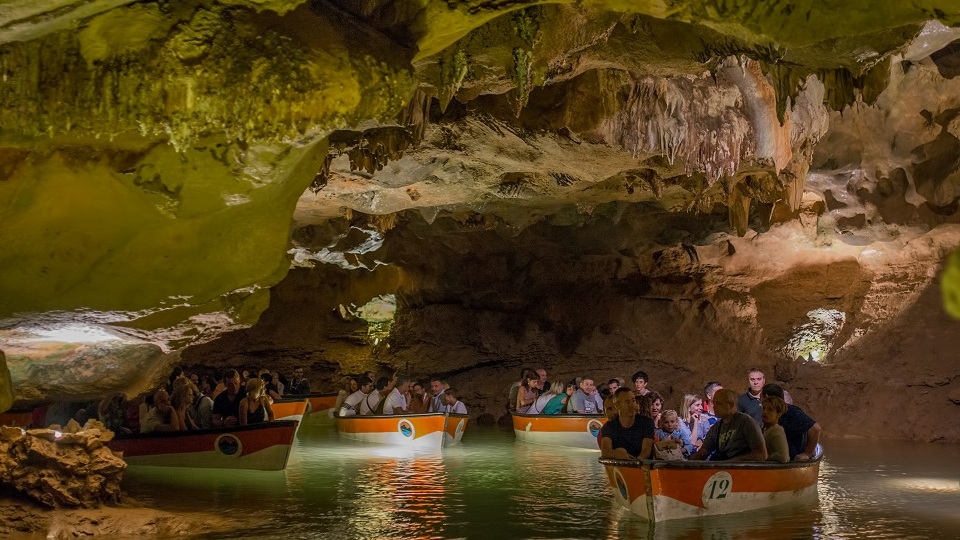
{"x":762,"y":424}
{"x":396,"y":395}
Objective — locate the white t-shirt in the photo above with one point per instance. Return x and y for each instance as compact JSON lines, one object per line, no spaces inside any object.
{"x":349,"y":407}
{"x":394,"y":399}
{"x":456,"y":408}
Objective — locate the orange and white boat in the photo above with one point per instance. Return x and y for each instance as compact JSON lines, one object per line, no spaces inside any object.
{"x":574,"y":430}
{"x":431,"y":430}
{"x":318,"y":404}
{"x":667,"y":490}
{"x":264,"y":446}
{"x":290,"y":409}
{"x":17,"y":418}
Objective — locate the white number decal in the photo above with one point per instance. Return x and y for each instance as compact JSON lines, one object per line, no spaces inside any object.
{"x":717,"y":488}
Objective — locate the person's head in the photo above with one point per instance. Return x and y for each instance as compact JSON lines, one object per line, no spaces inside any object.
{"x":266,"y":377}
{"x":691,"y":405}
{"x":772,"y":390}
{"x":365,"y":384}
{"x":556,"y":387}
{"x":626,"y":402}
{"x":773,"y":408}
{"x":176,"y":373}
{"x":403,"y":385}
{"x":450,"y":396}
{"x":262,"y":371}
{"x":195,"y":379}
{"x":436,"y":386}
{"x":531,"y":380}
{"x":542,"y":376}
{"x":416,"y":389}
{"x":571,"y":387}
{"x":586,"y":384}
{"x":298,"y":373}
{"x":161,"y":398}
{"x":382,"y":383}
{"x":613,"y":385}
{"x":231,"y":379}
{"x":643,"y":405}
{"x":640,"y":380}
{"x":610,"y":406}
{"x":669,"y":421}
{"x":725,"y":403}
{"x":656,"y":403}
{"x":246,"y":374}
{"x":254,"y":388}
{"x":757,"y":380}
{"x":708,"y":390}
{"x":183,"y":395}
{"x":345,"y":384}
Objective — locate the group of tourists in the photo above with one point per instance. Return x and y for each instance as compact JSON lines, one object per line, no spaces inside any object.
{"x":762,"y":424}
{"x":396,"y":395}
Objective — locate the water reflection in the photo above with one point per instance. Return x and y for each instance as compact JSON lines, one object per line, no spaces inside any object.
{"x":493,"y":487}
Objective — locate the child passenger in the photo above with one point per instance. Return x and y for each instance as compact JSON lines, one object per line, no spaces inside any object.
{"x":672,"y":434}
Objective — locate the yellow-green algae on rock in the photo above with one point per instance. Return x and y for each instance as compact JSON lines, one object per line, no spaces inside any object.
{"x":6,"y":385}
{"x":950,"y":285}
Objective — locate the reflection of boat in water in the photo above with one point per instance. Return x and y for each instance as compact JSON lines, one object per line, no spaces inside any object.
{"x":666,"y":490}
{"x":574,"y":430}
{"x":431,"y":430}
{"x":265,"y":446}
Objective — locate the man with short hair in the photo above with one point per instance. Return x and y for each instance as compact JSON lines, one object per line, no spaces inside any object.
{"x":586,"y":400}
{"x":708,"y":391}
{"x":436,"y":402}
{"x":352,"y":403}
{"x":749,"y":401}
{"x":452,"y":404}
{"x":299,"y":385}
{"x":396,"y":401}
{"x":803,"y":432}
{"x":640,"y":380}
{"x":630,"y":434}
{"x":226,"y":407}
{"x":613,"y":385}
{"x":542,"y":374}
{"x":736,"y":437}
{"x":376,"y":401}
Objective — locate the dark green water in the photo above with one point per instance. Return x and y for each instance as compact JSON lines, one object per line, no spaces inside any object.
{"x":493,"y":487}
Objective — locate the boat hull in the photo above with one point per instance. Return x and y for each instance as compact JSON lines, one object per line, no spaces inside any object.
{"x":265,"y":446}
{"x":21,"y":419}
{"x":290,"y":409}
{"x":572,"y":430}
{"x":428,"y":431}
{"x":669,"y":490}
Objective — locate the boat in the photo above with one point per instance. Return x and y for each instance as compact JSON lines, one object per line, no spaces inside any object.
{"x":430,"y":430}
{"x":667,"y":490}
{"x":319,"y":405}
{"x":290,"y":409}
{"x":17,"y":418}
{"x":573,"y":430}
{"x":264,"y":446}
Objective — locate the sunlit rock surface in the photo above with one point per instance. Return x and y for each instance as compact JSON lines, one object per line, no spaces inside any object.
{"x":687,"y":187}
{"x":69,"y":467}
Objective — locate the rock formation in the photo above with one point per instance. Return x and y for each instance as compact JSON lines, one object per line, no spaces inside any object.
{"x":72,"y":468}
{"x":690,"y":187}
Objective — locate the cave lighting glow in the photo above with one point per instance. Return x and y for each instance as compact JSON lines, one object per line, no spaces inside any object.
{"x":812,"y":340}
{"x":69,"y":333}
{"x":927,"y":485}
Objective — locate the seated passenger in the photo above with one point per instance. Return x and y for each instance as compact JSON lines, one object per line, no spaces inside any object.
{"x":640,"y":380}
{"x":559,"y":402}
{"x":708,"y":391}
{"x":629,"y":435}
{"x":691,"y":412}
{"x":226,"y":406}
{"x":347,"y":386}
{"x":556,"y":388}
{"x":419,"y":400}
{"x":613,"y":385}
{"x":514,"y":389}
{"x":437,"y":388}
{"x":255,"y":407}
{"x":162,"y":417}
{"x":396,"y":403}
{"x":735,"y":437}
{"x":453,"y":404}
{"x":673,"y":435}
{"x":182,"y":402}
{"x":775,"y":438}
{"x":656,"y":406}
{"x":375,"y":401}
{"x":352,"y":402}
{"x":803,"y":432}
{"x":586,"y":400}
{"x":527,"y":392}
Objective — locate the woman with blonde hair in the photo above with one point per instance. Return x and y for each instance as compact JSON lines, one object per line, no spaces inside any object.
{"x":255,"y":407}
{"x":691,"y":409}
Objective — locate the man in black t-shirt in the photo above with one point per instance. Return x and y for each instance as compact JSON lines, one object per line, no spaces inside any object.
{"x":226,"y":408}
{"x":803,"y":432}
{"x":629,"y":435}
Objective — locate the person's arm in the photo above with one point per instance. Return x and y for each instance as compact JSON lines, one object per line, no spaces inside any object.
{"x":608,"y":451}
{"x":269,"y":407}
{"x":646,"y":449}
{"x":216,"y":420}
{"x":243,"y":412}
{"x":813,"y":438}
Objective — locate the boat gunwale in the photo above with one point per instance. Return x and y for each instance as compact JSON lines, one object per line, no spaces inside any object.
{"x":711,"y":465}
{"x":200,"y":432}
{"x":574,"y":415}
{"x":382,"y":416}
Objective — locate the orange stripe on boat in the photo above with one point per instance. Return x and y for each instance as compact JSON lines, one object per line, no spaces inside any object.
{"x":556,"y":424}
{"x":423,"y":425}
{"x":289,"y":408}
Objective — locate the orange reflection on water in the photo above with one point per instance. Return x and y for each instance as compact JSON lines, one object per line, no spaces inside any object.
{"x":400,"y":497}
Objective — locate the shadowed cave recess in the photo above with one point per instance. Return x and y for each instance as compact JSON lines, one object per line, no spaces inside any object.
{"x":463,"y":189}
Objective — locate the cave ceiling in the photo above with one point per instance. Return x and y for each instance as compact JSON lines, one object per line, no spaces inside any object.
{"x":163,"y":164}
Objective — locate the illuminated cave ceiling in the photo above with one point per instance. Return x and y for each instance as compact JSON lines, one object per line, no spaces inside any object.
{"x":152,"y":153}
